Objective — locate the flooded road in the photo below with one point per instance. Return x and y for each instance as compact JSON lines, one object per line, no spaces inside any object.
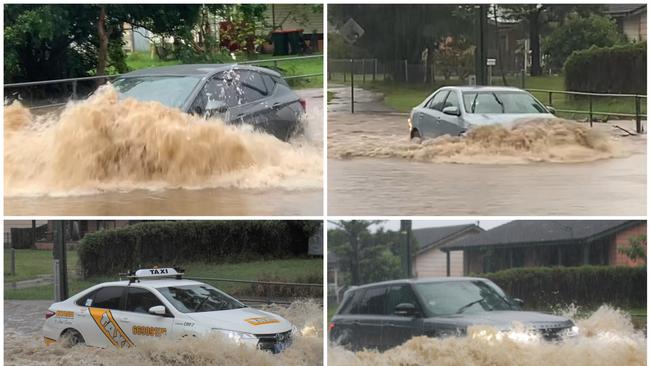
{"x":607,"y":338}
{"x":23,"y":343}
{"x":104,"y":157}
{"x":373,"y":169}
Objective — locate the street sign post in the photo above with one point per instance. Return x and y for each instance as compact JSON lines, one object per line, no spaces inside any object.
{"x":490,"y":62}
{"x":351,"y":31}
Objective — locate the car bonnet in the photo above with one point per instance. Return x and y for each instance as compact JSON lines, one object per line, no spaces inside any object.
{"x":504,"y":320}
{"x":247,"y":320}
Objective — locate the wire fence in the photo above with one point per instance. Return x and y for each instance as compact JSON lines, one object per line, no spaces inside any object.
{"x":50,"y":94}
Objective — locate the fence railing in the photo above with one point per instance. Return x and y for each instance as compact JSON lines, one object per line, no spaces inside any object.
{"x":74,"y":82}
{"x":637,"y":115}
{"x":268,"y":296}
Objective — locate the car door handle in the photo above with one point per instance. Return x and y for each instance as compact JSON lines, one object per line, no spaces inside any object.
{"x":124,"y":320}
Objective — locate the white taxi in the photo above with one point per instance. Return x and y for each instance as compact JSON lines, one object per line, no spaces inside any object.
{"x":158,"y":303}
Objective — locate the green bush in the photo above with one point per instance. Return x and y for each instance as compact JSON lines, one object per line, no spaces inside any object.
{"x":586,"y":286}
{"x":109,"y":252}
{"x":618,"y":69}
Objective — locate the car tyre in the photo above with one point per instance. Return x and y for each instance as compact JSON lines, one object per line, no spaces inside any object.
{"x":71,"y":338}
{"x":415,"y":137}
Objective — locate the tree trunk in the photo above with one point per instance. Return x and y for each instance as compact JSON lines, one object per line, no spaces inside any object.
{"x":102,"y":54}
{"x":533,"y":33}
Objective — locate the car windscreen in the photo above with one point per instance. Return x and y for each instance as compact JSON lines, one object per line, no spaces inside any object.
{"x":456,"y":297}
{"x":171,"y":91}
{"x":501,"y":102}
{"x":199,"y":298}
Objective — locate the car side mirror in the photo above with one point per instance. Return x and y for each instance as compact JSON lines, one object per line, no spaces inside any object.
{"x":405,"y":309}
{"x":157,"y":310}
{"x":451,"y":110}
{"x":215,"y":107}
{"x":519,"y":302}
{"x":551,"y":109}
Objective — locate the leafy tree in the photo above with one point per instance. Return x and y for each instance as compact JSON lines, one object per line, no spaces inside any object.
{"x":579,"y":32}
{"x":364,"y":256}
{"x":637,"y":248}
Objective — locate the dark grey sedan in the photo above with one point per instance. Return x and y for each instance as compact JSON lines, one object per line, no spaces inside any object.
{"x":234,"y":93}
{"x":387,"y":314}
{"x":452,"y":110}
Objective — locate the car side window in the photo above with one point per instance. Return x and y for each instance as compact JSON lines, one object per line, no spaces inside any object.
{"x":86,"y":300}
{"x":269,"y":82}
{"x":108,"y":297}
{"x":374,"y":301}
{"x":140,"y":300}
{"x":252,"y":86}
{"x":451,"y":101}
{"x":400,"y":294}
{"x":438,"y":100}
{"x":223,"y":87}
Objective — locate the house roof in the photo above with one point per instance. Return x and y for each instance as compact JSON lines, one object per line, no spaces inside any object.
{"x":431,"y":237}
{"x":531,"y":232}
{"x":624,"y":9}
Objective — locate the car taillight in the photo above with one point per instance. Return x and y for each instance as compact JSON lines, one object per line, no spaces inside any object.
{"x":49,"y":314}
{"x":303,"y":103}
{"x":331,"y":326}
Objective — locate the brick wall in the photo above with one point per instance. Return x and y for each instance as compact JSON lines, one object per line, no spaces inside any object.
{"x":622,"y":239}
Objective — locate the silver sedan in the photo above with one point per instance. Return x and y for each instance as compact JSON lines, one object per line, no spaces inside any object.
{"x":453,"y":110}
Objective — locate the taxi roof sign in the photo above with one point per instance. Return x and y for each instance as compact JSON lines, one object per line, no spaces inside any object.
{"x":153,"y":273}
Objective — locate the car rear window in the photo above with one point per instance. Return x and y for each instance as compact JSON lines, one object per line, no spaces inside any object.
{"x":373,"y":302}
{"x":108,"y":297}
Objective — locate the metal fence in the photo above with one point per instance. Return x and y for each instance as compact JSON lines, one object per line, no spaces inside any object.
{"x":268,"y":297}
{"x":72,"y":87}
{"x":637,"y":115}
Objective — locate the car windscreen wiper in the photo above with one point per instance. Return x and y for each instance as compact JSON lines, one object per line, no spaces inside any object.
{"x":201,"y":303}
{"x":503,"y":107}
{"x":474,"y":102}
{"x":462,"y":308}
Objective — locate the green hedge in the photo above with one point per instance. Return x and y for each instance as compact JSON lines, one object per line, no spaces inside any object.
{"x":585,"y":286}
{"x":109,"y":252}
{"x":618,"y":69}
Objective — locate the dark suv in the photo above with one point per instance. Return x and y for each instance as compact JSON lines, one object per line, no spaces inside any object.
{"x":386,"y":314}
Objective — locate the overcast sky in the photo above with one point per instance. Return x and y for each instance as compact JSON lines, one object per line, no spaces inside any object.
{"x":419,"y":224}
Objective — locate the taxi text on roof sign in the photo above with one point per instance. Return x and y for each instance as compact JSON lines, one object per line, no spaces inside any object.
{"x":155,"y":272}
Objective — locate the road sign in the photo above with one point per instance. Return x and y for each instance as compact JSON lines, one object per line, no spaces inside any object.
{"x":351,"y":31}
{"x":491,"y":61}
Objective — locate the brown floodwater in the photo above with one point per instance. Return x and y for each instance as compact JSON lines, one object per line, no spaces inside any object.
{"x":23,"y":344}
{"x":105,"y":156}
{"x":533,"y":168}
{"x":607,"y":338}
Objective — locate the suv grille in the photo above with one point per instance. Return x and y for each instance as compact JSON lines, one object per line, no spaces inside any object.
{"x":275,"y":343}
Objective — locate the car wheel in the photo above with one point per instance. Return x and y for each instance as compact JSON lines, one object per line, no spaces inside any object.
{"x":415,"y":136}
{"x":71,"y":337}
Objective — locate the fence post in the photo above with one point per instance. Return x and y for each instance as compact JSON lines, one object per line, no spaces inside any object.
{"x":591,"y":116}
{"x":363,"y":69}
{"x":637,"y":111}
{"x":523,"y":78}
{"x":374,"y":72}
{"x":406,"y":71}
{"x":550,"y":98}
{"x":74,"y":89}
{"x":13,"y":260}
{"x":352,"y":86}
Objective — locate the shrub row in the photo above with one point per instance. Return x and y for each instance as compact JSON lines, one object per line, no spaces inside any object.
{"x":617,"y":69}
{"x":586,"y":286}
{"x":109,"y":252}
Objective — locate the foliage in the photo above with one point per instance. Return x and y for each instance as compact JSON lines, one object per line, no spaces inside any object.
{"x":108,"y":252}
{"x":618,"y":69}
{"x":586,"y":286}
{"x":362,"y":256}
{"x":455,"y":57}
{"x":579,"y":32}
{"x":636,"y":250}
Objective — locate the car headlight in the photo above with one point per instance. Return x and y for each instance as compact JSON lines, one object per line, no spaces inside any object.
{"x":237,"y":337}
{"x":574,"y":331}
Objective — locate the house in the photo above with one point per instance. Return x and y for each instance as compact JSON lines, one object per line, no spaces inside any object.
{"x":308,"y":17}
{"x":429,"y":260}
{"x":631,"y":20}
{"x":535,"y":243}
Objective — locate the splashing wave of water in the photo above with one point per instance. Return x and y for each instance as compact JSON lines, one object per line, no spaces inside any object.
{"x":108,"y":144}
{"x":608,"y":338}
{"x":536,"y":140}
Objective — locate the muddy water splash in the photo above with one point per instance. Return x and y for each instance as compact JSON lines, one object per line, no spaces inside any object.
{"x":306,"y":350}
{"x":536,"y":140}
{"x":608,"y":338}
{"x":108,"y":144}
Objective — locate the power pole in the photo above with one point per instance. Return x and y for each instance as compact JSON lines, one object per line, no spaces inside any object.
{"x":60,"y":262}
{"x":407,"y":265}
{"x":481,"y":44}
